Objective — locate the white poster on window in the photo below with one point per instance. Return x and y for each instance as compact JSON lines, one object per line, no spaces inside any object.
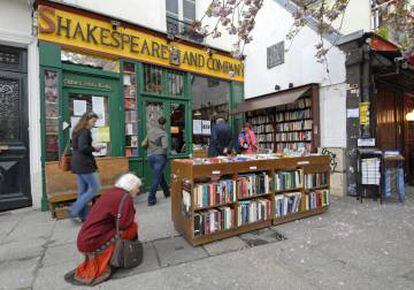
{"x":79,"y":107}
{"x":73,"y":122}
{"x":98,"y":107}
{"x":205,"y":127}
{"x":197,"y":127}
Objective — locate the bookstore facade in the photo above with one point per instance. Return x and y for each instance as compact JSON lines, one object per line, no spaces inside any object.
{"x":129,"y":76}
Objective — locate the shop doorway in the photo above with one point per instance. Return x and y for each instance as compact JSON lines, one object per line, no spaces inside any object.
{"x":177,"y":127}
{"x":14,"y":141}
{"x":393,"y":131}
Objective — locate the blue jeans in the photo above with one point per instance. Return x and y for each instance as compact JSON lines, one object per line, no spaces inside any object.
{"x":88,"y":186}
{"x":158,"y":163}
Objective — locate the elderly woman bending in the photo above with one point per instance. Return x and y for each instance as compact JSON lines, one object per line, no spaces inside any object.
{"x":96,"y":238}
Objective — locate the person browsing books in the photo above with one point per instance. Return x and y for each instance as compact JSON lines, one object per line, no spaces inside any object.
{"x":247,"y":140}
{"x":221,"y":142}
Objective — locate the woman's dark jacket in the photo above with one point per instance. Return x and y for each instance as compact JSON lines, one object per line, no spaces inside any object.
{"x":83,"y":161}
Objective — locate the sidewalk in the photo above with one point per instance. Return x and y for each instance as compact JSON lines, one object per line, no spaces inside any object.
{"x":352,"y":246}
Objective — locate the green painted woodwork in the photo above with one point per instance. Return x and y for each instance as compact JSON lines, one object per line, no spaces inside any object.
{"x":49,"y":55}
{"x":91,"y":81}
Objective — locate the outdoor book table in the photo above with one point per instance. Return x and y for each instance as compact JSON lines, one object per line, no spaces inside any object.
{"x":216,"y":198}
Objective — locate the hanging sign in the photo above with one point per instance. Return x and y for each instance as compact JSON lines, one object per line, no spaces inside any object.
{"x":99,"y":36}
{"x":364,"y":113}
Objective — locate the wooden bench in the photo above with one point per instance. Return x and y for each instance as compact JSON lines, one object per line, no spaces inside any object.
{"x":61,"y":187}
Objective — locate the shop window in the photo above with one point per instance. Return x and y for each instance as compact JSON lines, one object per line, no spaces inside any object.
{"x":81,"y":103}
{"x":152,"y":79}
{"x":208,"y":103}
{"x":90,"y":60}
{"x":130,"y":108}
{"x":52,"y":115}
{"x":175,"y":83}
{"x":154,"y":110}
{"x":178,"y":133}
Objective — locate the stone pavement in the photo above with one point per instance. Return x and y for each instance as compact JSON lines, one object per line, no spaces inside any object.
{"x":352,"y":246}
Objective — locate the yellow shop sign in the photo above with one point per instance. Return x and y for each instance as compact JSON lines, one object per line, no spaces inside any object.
{"x":77,"y":31}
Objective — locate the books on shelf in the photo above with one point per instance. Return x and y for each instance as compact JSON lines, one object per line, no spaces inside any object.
{"x":289,"y":127}
{"x":293,"y":115}
{"x":250,"y":211}
{"x":317,"y":199}
{"x":214,"y":193}
{"x":315,"y":180}
{"x":294,"y":136}
{"x":294,"y":126}
{"x":213,"y":220}
{"x":252,"y":184}
{"x":287,"y":179}
{"x":280,"y":147}
{"x":287,"y":204}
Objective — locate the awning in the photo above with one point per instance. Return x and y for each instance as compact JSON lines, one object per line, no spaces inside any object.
{"x":271,"y":100}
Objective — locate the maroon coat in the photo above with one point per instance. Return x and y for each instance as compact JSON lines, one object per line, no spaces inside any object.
{"x":100,"y":225}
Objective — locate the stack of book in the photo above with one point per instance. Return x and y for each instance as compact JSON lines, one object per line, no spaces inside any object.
{"x":213,"y":220}
{"x":287,"y":204}
{"x":317,"y":199}
{"x":252,"y":211}
{"x":315,"y":180}
{"x":252,"y":184}
{"x":285,"y":180}
{"x":214,"y":193}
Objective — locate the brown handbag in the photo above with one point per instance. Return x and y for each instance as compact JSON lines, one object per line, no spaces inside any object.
{"x":65,"y":160}
{"x":127,"y":254}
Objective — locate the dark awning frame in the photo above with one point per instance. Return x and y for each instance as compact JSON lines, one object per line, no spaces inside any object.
{"x":272,"y":100}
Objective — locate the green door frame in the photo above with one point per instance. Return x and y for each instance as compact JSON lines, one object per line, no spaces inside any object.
{"x":166,"y":102}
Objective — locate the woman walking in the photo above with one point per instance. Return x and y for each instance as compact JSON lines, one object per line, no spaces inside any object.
{"x":84,"y":165}
{"x":96,"y":238}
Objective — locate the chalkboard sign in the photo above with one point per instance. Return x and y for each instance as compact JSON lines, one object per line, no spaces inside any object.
{"x":276,"y":54}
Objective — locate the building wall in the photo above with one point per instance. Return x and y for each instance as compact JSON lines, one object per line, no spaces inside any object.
{"x":16,"y":30}
{"x":357,"y":17}
{"x":151,"y":14}
{"x":300,"y":67}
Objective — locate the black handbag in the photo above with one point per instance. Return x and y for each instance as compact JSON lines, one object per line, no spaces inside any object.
{"x":127,"y":254}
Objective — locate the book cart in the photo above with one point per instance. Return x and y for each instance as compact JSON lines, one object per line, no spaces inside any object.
{"x":214,"y":201}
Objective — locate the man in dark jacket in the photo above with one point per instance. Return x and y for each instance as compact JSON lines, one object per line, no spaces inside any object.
{"x":221,"y":142}
{"x":157,"y":143}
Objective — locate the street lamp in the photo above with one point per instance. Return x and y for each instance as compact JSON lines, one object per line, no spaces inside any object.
{"x":410,"y":116}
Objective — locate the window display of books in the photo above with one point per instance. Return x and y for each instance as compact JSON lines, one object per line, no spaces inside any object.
{"x":130,"y":109}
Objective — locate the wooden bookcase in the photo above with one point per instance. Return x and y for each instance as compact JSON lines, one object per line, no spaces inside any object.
{"x":184,"y":171}
{"x":293,"y":125}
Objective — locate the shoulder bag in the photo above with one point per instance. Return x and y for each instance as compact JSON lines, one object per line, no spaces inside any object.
{"x":127,"y":254}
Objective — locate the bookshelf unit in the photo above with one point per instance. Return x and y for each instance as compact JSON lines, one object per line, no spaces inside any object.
{"x":292,"y":126}
{"x":213,"y":201}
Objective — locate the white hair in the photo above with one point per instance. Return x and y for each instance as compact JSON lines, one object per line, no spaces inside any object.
{"x":128,"y":182}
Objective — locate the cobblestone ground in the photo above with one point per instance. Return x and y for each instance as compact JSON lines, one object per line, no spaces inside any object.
{"x":352,"y":246}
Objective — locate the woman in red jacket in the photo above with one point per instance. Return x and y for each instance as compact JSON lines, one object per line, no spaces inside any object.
{"x":96,"y":238}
